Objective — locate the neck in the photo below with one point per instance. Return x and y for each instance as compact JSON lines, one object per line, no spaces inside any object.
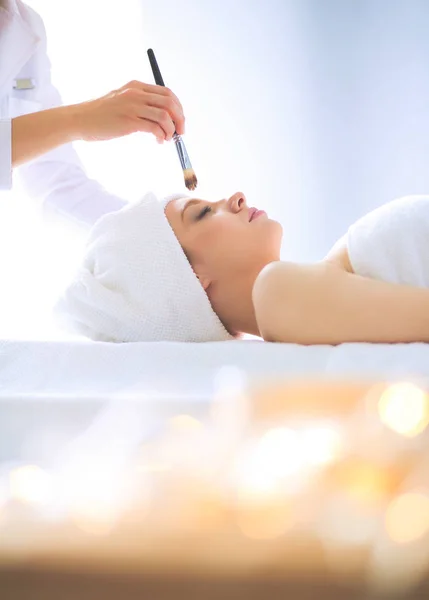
{"x":234,"y":306}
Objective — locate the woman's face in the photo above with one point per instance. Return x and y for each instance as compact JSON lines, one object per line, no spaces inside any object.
{"x":224,"y":239}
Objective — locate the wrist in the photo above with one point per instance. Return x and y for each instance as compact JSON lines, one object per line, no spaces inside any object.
{"x":74,"y":121}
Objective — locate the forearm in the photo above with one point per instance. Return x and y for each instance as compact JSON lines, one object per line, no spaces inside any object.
{"x":322,"y":304}
{"x":37,"y":133}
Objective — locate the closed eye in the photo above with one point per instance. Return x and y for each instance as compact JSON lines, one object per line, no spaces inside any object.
{"x":204,"y":212}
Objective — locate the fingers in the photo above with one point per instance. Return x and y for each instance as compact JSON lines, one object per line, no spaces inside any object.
{"x":167,"y":104}
{"x":159,"y":90}
{"x":160,"y":97}
{"x":159,"y":117}
{"x":153,"y":89}
{"x":152,"y":127}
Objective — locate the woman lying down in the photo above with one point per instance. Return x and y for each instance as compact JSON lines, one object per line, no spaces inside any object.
{"x":189,"y":270}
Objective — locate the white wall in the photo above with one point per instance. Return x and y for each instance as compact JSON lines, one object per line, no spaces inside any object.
{"x":316,"y":108}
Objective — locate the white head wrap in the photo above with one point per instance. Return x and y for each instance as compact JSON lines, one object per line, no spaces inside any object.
{"x":136,"y":284}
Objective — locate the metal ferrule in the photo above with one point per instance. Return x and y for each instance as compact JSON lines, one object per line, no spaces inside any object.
{"x":181,"y":151}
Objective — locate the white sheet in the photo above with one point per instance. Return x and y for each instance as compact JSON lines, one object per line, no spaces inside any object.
{"x":50,"y":392}
{"x":82,"y":370}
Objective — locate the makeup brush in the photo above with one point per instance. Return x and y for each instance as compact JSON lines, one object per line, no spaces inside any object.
{"x":188,"y":171}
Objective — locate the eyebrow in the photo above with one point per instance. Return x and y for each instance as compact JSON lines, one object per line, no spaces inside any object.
{"x":188,"y":204}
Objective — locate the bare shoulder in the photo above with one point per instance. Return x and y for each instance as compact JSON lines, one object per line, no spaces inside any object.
{"x":339,"y":255}
{"x":273,"y":290}
{"x":271,"y":276}
{"x":285,"y":294}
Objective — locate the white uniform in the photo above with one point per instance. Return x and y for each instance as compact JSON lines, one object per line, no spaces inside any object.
{"x":57,"y":178}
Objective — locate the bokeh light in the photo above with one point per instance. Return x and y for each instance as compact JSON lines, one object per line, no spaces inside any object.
{"x":404,"y":408}
{"x":30,"y":484}
{"x":153,"y":468}
{"x":185,"y":424}
{"x":265,"y":521}
{"x":274,"y":457}
{"x":365,"y":481}
{"x":320,"y":444}
{"x":407,"y":517}
{"x":94,"y":518}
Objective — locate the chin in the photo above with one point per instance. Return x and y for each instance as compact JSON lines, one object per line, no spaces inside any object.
{"x":272,"y":235}
{"x":275,"y":228}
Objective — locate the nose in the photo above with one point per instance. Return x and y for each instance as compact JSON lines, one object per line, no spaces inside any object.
{"x":237,"y":202}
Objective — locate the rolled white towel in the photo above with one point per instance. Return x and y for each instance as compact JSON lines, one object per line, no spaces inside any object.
{"x":391,"y":243}
{"x":136,"y":284}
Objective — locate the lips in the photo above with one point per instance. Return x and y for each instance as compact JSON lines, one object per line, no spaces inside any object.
{"x":254,"y":213}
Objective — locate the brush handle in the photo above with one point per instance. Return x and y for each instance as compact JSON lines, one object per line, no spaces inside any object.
{"x":180,"y":146}
{"x":181,"y":151}
{"x":155,"y":69}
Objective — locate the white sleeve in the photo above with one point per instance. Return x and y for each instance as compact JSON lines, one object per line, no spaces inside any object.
{"x":58,"y":178}
{"x":5,"y":154}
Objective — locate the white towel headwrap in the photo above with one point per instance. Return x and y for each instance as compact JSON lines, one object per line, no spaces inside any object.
{"x":136,"y":284}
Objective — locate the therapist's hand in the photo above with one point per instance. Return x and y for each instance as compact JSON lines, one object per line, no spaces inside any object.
{"x":134,"y":107}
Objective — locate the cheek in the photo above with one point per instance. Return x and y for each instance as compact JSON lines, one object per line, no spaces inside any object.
{"x":230,"y":245}
{"x":250,"y":246}
{"x":223,"y":238}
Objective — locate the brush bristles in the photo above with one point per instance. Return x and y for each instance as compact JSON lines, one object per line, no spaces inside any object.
{"x":190,"y":179}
